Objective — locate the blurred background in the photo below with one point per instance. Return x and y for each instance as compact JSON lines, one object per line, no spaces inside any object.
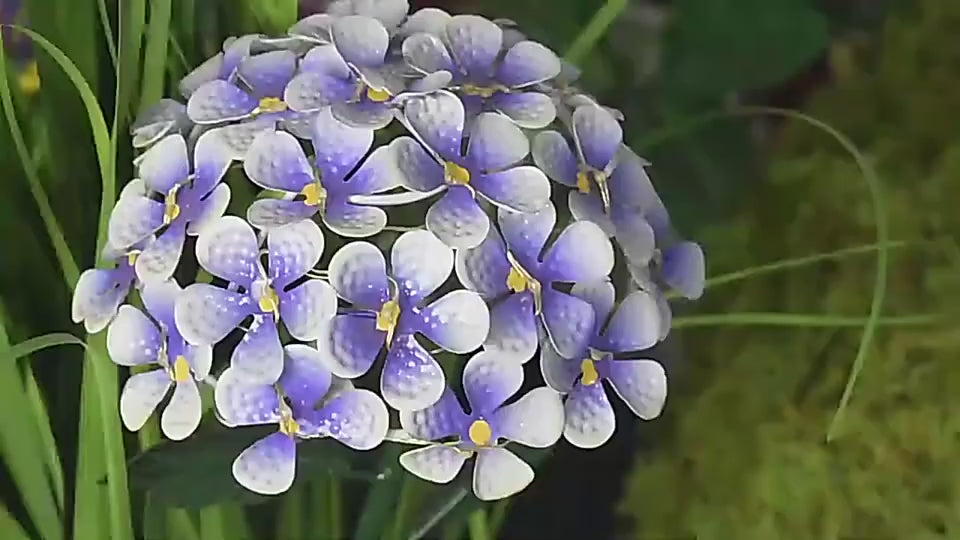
{"x":757,"y":366}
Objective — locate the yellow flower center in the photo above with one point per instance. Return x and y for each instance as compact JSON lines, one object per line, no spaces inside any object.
{"x":272,"y":105}
{"x":29,"y":79}
{"x":455,"y":174}
{"x":314,"y":194}
{"x":592,"y":176}
{"x":378,"y":95}
{"x":480,"y":433}
{"x":588,"y":372}
{"x":288,"y":426}
{"x":132,"y":257}
{"x":171,"y":210}
{"x":388,"y":317}
{"x":583,"y":182}
{"x":477,"y":90}
{"x":269,"y":301}
{"x":181,"y":370}
{"x":519,"y":280}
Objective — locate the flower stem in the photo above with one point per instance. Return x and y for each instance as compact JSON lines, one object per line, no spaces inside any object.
{"x":808,"y":320}
{"x":594,"y":30}
{"x":477,"y":525}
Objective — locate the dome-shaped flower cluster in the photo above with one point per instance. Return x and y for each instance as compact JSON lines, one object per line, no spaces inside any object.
{"x":491,"y":135}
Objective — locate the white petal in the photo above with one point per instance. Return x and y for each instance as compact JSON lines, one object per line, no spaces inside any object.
{"x":499,"y":473}
{"x":268,"y":466}
{"x":489,"y":379}
{"x":307,"y":308}
{"x":160,"y":257}
{"x":358,"y":272}
{"x":558,"y":372}
{"x":458,"y":322}
{"x":205,"y":314}
{"x":599,"y":294}
{"x":240,"y":403}
{"x":141,"y":395}
{"x":438,"y":464}
{"x":420,"y":263}
{"x":589,"y":418}
{"x":642,"y":384}
{"x":357,"y":418}
{"x":133,"y":219}
{"x":133,"y":339}
{"x":635,"y":325}
{"x":214,"y":208}
{"x":535,"y":420}
{"x":513,"y":327}
{"x":182,"y":415}
{"x":293,"y":250}
{"x":201,"y":360}
{"x":229,"y":249}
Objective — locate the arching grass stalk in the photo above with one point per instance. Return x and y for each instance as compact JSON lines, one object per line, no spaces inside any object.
{"x":595,"y":30}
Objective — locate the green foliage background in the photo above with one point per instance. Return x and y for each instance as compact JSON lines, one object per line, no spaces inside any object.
{"x":741,"y":451}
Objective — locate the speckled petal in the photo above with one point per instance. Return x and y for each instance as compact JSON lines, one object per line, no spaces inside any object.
{"x":268,"y":466}
{"x":484,"y":268}
{"x":358,"y":272}
{"x":165,"y":164}
{"x":237,"y":138}
{"x":240,"y":403}
{"x":293,"y":250}
{"x":634,"y":235}
{"x":337,"y":147}
{"x":140,"y":396}
{"x":350,"y":345}
{"x":361,"y":41}
{"x":419,"y":171}
{"x":307,"y":308}
{"x":412,"y":378}
{"x":437,"y":119}
{"x":133,"y":339}
{"x":364,"y":114}
{"x":551,"y":152}
{"x":601,"y":295}
{"x":160,"y":299}
{"x":267,"y":74}
{"x":457,"y":220}
{"x":275,"y":160}
{"x":527,"y":63}
{"x":569,"y":322}
{"x":439,"y":464}
{"x":589,"y":207}
{"x":312,"y":91}
{"x":206,"y":314}
{"x":207,"y":71}
{"x":305,"y":379}
{"x":315,"y":28}
{"x":300,"y":124}
{"x":235,"y":50}
{"x":513,"y":327}
{"x":529,"y":110}
{"x":182,"y":415}
{"x":630,"y":187}
{"x":97,"y":296}
{"x":200,"y":360}
{"x":582,"y":252}
{"x":589,"y":418}
{"x":635,"y":324}
{"x":499,"y":473}
{"x":133,"y":219}
{"x":357,"y":418}
{"x":558,"y":372}
{"x":161,"y":255}
{"x":211,"y":158}
{"x":495,"y":143}
{"x":157,"y":121}
{"x":489,"y":379}
{"x":420,"y":263}
{"x":458,"y":322}
{"x":684,"y":269}
{"x":427,"y":54}
{"x":378,"y":173}
{"x":642,"y":384}
{"x":598,"y":135}
{"x":445,"y":418}
{"x":534,"y":420}
{"x":270,"y":213}
{"x":474,"y":42}
{"x":219,"y":101}
{"x":389,"y":12}
{"x":228,"y":249}
{"x":521,"y":189}
{"x":258,"y":357}
{"x":525,"y":234}
{"x":354,"y":221}
{"x":326,"y":60}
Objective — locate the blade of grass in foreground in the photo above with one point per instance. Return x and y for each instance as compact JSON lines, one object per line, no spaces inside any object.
{"x":10,"y":529}
{"x":21,"y":447}
{"x":155,"y":57}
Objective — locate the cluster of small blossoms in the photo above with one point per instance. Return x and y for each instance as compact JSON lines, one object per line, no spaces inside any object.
{"x":491,"y":118}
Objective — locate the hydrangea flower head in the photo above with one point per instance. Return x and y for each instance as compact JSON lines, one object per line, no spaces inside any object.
{"x":302,"y":406}
{"x":271,"y":293}
{"x":136,"y":338}
{"x":489,"y":380}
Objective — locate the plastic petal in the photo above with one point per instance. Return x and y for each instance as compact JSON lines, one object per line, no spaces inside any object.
{"x":165,"y":164}
{"x":268,"y":213}
{"x":495,"y":143}
{"x":293,"y":250}
{"x":484,"y":268}
{"x":521,"y":189}
{"x":437,"y":119}
{"x":228,"y":249}
{"x":182,"y":415}
{"x":358,"y":272}
{"x":513,"y":327}
{"x":268,"y":466}
{"x":526,"y":63}
{"x":412,"y":378}
{"x":439,"y":464}
{"x":489,"y":379}
{"x":445,"y":418}
{"x":259,"y":356}
{"x":307,"y":309}
{"x":642,"y":384}
{"x":474,"y":42}
{"x":350,"y":344}
{"x":338,"y":147}
{"x":140,"y":396}
{"x":582,"y":253}
{"x":598,"y":135}
{"x":133,"y":339}
{"x":240,"y":403}
{"x":219,"y":101}
{"x":420,"y":263}
{"x":457,"y":220}
{"x":534,"y":420}
{"x":205,"y":314}
{"x":357,"y":418}
{"x":361,"y":41}
{"x":635,"y":324}
{"x":458,"y":321}
{"x":553,"y":155}
{"x":499,"y":473}
{"x":529,"y":110}
{"x":275,"y":160}
{"x":589,"y":417}
{"x":570,"y":323}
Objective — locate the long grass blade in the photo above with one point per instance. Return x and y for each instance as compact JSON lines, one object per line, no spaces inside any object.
{"x":10,"y":528}
{"x":155,"y":57}
{"x":800,"y":320}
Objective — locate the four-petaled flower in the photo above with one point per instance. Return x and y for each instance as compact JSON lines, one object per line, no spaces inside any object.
{"x":136,"y":339}
{"x":613,"y":356}
{"x":489,"y":380}
{"x":229,"y":249}
{"x":158,"y":209}
{"x":349,"y":75}
{"x":520,"y":285}
{"x":303,"y":405}
{"x":468,"y":48}
{"x":489,"y":167}
{"x":276,"y":161}
{"x":388,"y":309}
{"x":100,"y":291}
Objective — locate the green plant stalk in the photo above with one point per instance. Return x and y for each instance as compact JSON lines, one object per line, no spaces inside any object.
{"x":90,"y":512}
{"x":403,"y":507}
{"x":107,"y":32}
{"x":477,"y":525}
{"x":800,"y":320}
{"x":155,"y":55}
{"x":335,"y":526}
{"x":595,"y":30}
{"x":9,"y":527}
{"x":48,"y":443}
{"x":212,"y":524}
{"x":290,"y":518}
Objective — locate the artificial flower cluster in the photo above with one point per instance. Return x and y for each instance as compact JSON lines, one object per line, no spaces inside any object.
{"x":490,"y":119}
